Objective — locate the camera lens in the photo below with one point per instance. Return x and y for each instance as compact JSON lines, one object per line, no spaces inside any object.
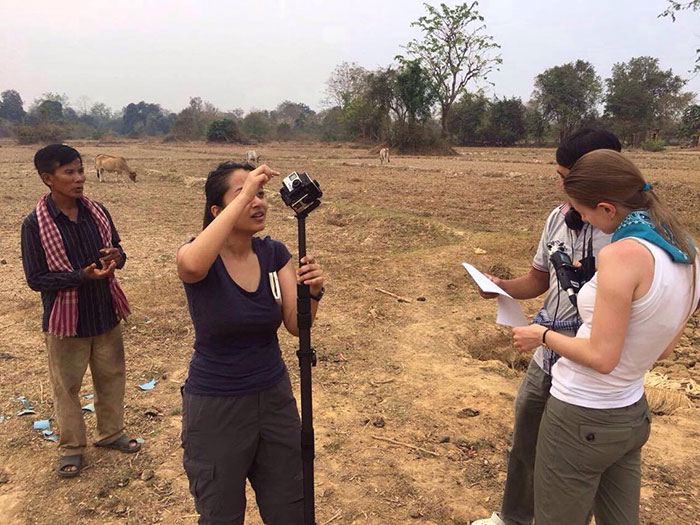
{"x":296,"y":183}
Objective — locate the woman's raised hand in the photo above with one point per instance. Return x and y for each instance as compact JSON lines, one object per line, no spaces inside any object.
{"x":257,"y":179}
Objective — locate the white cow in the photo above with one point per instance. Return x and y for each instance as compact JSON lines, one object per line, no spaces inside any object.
{"x":384,"y":156}
{"x":251,"y":157}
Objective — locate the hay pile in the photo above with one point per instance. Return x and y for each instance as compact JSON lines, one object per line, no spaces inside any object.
{"x":666,"y":395}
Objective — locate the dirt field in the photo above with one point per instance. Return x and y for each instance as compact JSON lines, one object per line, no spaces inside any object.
{"x":387,"y":370}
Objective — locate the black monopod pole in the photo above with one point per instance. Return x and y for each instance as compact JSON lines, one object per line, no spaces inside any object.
{"x":307,"y":359}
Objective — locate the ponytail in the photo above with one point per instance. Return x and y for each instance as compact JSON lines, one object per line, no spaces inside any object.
{"x":667,"y":224}
{"x":609,"y":176}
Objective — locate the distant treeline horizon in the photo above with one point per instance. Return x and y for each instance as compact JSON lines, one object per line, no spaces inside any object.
{"x":422,"y":102}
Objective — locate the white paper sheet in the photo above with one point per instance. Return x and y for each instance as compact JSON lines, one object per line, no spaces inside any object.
{"x":509,"y":311}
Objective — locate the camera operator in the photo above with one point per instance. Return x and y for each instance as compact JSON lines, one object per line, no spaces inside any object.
{"x":634,"y":311}
{"x":239,"y":416}
{"x":563,"y":228}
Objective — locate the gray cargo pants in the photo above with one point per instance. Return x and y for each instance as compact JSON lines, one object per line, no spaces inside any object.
{"x":229,"y":439}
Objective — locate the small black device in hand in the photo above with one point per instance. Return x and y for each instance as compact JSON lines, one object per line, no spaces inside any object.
{"x":300,"y":192}
{"x":568,"y":275}
{"x":98,"y":261}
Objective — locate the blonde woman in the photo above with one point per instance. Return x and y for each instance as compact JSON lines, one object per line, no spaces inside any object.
{"x":634,"y":311}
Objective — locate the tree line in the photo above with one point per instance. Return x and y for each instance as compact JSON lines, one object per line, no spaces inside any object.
{"x":426,"y":100}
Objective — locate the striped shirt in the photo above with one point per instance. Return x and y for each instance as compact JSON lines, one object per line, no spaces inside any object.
{"x":83,"y":243}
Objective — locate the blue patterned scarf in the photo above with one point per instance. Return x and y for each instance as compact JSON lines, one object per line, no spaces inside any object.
{"x":638,"y":224}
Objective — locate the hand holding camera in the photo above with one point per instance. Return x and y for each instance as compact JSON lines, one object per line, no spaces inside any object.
{"x":571,"y":276}
{"x":257,"y":179}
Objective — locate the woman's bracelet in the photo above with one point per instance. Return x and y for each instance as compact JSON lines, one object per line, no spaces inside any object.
{"x":544,"y":335}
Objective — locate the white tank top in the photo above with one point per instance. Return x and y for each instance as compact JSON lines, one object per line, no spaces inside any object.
{"x":655,"y":319}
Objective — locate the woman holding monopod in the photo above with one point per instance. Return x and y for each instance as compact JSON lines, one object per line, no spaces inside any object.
{"x":634,"y":311}
{"x":239,"y":416}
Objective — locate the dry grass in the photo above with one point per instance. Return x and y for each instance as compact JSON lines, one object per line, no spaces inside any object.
{"x":404,"y":228}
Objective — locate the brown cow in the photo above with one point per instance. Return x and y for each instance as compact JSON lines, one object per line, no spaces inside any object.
{"x":112,"y":164}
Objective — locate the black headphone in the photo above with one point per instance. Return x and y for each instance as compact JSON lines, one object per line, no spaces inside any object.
{"x":573,"y":219}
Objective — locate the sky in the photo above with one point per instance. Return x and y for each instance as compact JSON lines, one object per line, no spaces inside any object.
{"x":255,"y":54}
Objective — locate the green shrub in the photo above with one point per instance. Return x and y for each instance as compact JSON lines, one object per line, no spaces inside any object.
{"x":653,"y":145}
{"x":224,"y":130}
{"x":44,"y":132}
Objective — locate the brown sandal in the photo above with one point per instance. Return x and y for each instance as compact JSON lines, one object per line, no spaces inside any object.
{"x":123,"y":444}
{"x":76,"y":460}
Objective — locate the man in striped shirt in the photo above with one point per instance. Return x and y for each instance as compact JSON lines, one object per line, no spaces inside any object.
{"x":70,"y":251}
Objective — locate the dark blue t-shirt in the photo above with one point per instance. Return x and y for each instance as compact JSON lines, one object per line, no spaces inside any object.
{"x":236,"y":351}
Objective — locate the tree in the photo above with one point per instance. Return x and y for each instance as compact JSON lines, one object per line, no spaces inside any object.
{"x":100,"y":116}
{"x":224,"y":130}
{"x":641,"y":96}
{"x":332,"y":124}
{"x":70,"y":115}
{"x":11,"y":106}
{"x":295,"y":115}
{"x":690,"y":123}
{"x":145,"y":118}
{"x":454,"y":51}
{"x":414,"y":90}
{"x":358,"y":118}
{"x":469,"y":118}
{"x":362,"y":98}
{"x":506,"y":122}
{"x":568,"y":94}
{"x":236,"y":114}
{"x":345,"y":83}
{"x":257,"y":124}
{"x":83,"y":105}
{"x":49,"y":111}
{"x":283,"y":131}
{"x":536,"y":124}
{"x":672,"y":9}
{"x":383,"y":95}
{"x":193,"y":122}
{"x":56,"y":97}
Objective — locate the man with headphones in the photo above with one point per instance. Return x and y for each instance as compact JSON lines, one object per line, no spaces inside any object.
{"x":563,"y":230}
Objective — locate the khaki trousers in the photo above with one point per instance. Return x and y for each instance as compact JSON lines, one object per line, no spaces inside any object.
{"x":69,"y":358}
{"x":590,"y":458}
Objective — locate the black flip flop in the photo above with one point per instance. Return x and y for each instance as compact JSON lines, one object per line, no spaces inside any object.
{"x":76,"y":460}
{"x":122,"y":444}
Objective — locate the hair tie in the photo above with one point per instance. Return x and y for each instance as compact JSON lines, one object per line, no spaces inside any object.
{"x":645,"y":187}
